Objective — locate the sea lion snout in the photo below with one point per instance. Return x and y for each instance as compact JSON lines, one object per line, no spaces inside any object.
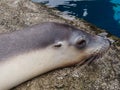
{"x":97,"y":46}
{"x":92,"y":46}
{"x":104,"y":36}
{"x":104,"y":41}
{"x":83,"y":40}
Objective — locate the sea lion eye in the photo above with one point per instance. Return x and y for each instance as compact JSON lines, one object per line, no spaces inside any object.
{"x":81,"y":43}
{"x":58,"y":44}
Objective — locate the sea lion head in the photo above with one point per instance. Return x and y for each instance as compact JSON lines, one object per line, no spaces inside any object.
{"x":71,"y":45}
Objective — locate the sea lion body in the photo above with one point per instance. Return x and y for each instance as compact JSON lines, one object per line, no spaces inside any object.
{"x":40,"y":48}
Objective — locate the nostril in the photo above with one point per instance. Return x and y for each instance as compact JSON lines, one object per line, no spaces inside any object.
{"x":109,"y":42}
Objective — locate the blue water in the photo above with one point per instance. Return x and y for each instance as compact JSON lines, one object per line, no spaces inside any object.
{"x":104,"y":14}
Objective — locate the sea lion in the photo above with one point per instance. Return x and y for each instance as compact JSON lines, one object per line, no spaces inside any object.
{"x":40,"y":48}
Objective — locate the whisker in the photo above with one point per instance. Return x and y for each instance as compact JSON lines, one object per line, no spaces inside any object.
{"x":92,"y":59}
{"x":86,"y":61}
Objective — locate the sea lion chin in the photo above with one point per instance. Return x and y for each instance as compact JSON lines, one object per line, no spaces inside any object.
{"x":40,"y":48}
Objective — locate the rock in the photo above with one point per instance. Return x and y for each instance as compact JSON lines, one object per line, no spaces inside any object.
{"x":103,"y":74}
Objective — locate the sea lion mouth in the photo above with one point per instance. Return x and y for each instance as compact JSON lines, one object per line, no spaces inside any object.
{"x":89,"y":60}
{"x":92,"y":58}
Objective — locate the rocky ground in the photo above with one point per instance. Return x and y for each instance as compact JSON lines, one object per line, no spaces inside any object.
{"x":103,"y":74}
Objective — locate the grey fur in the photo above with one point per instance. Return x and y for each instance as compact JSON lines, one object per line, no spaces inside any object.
{"x":34,"y":37}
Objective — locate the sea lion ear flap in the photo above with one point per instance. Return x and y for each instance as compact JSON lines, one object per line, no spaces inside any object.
{"x":58,"y":44}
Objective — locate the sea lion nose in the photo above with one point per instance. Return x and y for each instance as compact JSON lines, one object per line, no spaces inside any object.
{"x":110,"y":43}
{"x":104,"y":37}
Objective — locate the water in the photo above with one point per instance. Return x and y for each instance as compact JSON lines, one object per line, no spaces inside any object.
{"x":104,"y":14}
